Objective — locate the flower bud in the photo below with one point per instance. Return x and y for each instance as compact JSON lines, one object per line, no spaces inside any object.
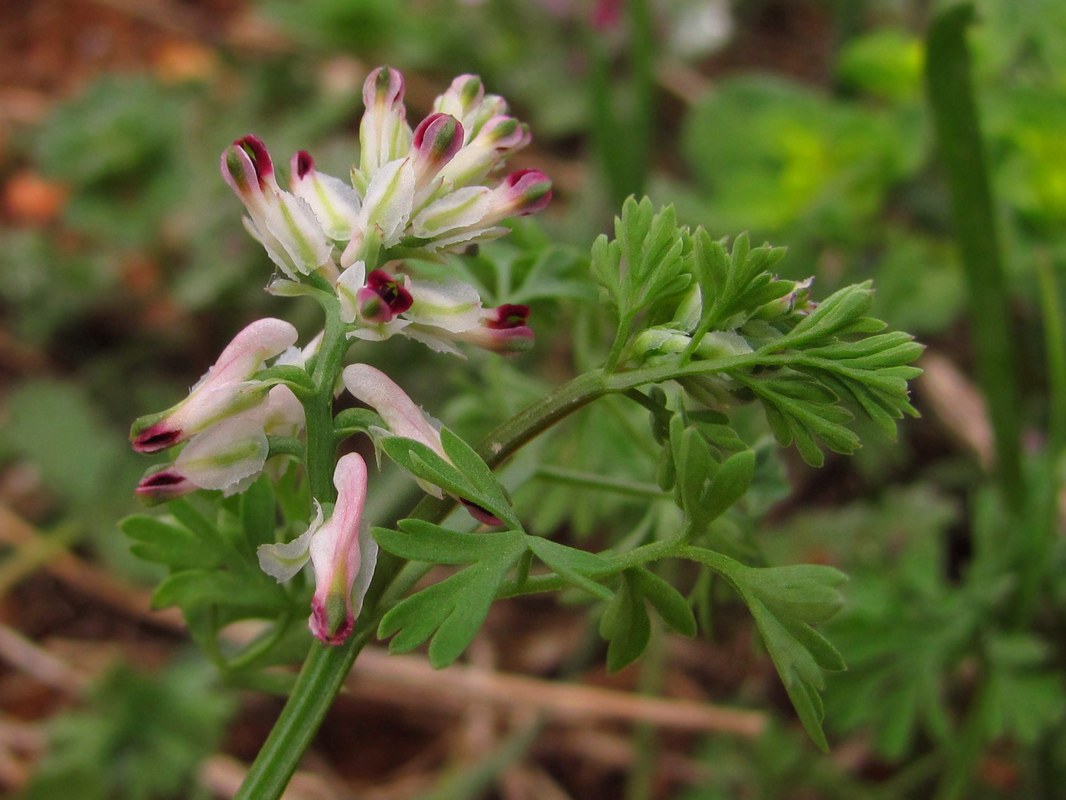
{"x":384,"y":134}
{"x":335,"y":552}
{"x":225,"y":390}
{"x":654,"y":343}
{"x":500,"y":136}
{"x":398,"y":411}
{"x":502,"y":330}
{"x":796,"y":299}
{"x":386,"y":209}
{"x":227,"y":457}
{"x":526,"y":191}
{"x":436,"y":141}
{"x":334,"y":203}
{"x":247,"y":168}
{"x":162,"y":485}
{"x":462,"y":99}
{"x":283,"y":223}
{"x":404,"y":419}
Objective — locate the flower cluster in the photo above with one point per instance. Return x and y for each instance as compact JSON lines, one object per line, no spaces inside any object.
{"x":417,"y":193}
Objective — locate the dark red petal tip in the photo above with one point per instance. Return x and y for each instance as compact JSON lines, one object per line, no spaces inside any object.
{"x":482,"y":515}
{"x":259,"y":155}
{"x":156,"y":438}
{"x":304,"y":163}
{"x":508,"y":316}
{"x":390,"y":290}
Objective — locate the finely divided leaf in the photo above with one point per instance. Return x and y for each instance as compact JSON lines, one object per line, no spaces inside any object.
{"x":625,"y":625}
{"x":805,"y":412}
{"x":578,"y":567}
{"x":194,"y":588}
{"x":729,"y":484}
{"x":665,"y":599}
{"x":479,"y":487}
{"x":785,"y":602}
{"x":453,"y":610}
{"x":491,"y":494}
{"x":733,"y":285}
{"x":418,"y":540}
{"x":168,"y":543}
{"x":645,"y":262}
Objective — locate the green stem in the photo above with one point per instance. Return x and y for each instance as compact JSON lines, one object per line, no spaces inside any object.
{"x":318,"y":407}
{"x":533,"y":420}
{"x":1055,"y":344}
{"x":621,"y":337}
{"x":588,"y":480}
{"x":320,"y":679}
{"x":966,"y":753}
{"x":958,"y":135}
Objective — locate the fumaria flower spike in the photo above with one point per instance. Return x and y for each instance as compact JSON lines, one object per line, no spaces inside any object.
{"x":354,"y":244}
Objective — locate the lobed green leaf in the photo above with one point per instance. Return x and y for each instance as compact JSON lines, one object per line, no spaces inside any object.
{"x":453,"y":610}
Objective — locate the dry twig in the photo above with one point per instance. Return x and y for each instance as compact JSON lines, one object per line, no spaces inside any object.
{"x":415,"y":681}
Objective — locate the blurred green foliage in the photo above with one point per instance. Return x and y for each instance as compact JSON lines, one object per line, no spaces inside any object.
{"x":843,"y":172}
{"x":141,"y":737}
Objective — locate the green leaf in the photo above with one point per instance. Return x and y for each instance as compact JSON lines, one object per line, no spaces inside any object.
{"x":296,"y":378}
{"x":733,"y":285}
{"x":453,"y":610}
{"x":57,"y":428}
{"x":578,"y":567}
{"x":137,"y":736}
{"x":625,"y":625}
{"x":1025,"y":689}
{"x":187,"y":515}
{"x":491,"y":495}
{"x":803,"y":411}
{"x":785,"y":601}
{"x":170,"y":544}
{"x":191,"y":588}
{"x":258,"y":513}
{"x":798,"y":668}
{"x":806,"y":592}
{"x":665,"y":599}
{"x":423,"y":462}
{"x":729,"y":484}
{"x":693,"y":467}
{"x":831,"y":317}
{"x":352,"y":420}
{"x":419,"y":540}
{"x":644,"y":263}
